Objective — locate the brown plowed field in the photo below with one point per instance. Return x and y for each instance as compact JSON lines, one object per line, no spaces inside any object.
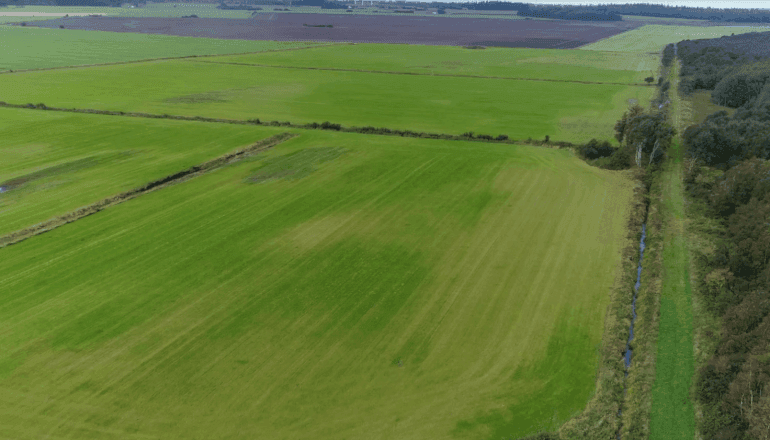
{"x":364,"y":29}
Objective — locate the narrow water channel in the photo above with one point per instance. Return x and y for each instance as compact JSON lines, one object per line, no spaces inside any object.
{"x":627,"y":355}
{"x":629,"y":352}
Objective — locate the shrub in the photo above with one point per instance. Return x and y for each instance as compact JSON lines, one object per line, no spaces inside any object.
{"x":326,"y":125}
{"x":595,"y":149}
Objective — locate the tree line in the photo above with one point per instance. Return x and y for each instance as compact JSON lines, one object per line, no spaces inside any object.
{"x":727,"y":173}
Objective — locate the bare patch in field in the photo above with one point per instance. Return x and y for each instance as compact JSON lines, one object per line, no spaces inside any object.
{"x":295,"y":165}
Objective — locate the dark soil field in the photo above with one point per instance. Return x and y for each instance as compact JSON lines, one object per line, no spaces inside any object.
{"x":364,"y":29}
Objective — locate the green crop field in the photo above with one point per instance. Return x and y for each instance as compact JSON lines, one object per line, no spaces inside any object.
{"x":653,"y":38}
{"x":33,"y":48}
{"x":518,"y":108}
{"x":337,"y":286}
{"x":64,"y":161}
{"x":566,"y":65}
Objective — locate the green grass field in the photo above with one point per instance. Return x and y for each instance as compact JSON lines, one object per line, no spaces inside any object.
{"x":337,"y":286}
{"x":653,"y":38}
{"x":66,"y":168}
{"x":33,"y":48}
{"x":520,"y":109}
{"x":566,"y":65}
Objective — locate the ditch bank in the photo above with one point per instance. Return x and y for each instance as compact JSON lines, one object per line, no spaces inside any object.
{"x":194,"y":171}
{"x":380,"y":131}
{"x":637,"y":399}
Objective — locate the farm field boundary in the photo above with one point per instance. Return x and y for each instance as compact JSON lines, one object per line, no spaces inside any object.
{"x":74,"y":38}
{"x":385,"y":72}
{"x":117,"y":63}
{"x":380,"y":131}
{"x":430,"y":104}
{"x":49,"y":225}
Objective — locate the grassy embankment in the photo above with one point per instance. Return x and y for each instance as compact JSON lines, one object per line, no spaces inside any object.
{"x":35,"y":48}
{"x":518,"y":108}
{"x":653,"y":38}
{"x":672,"y":415}
{"x":330,"y":287}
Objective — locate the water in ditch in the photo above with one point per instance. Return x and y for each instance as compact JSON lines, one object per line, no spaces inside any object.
{"x":627,"y":355}
{"x":629,"y":352}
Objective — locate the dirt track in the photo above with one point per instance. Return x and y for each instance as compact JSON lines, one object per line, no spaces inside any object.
{"x":364,"y":29}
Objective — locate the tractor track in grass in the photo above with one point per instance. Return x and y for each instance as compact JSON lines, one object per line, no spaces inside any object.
{"x":448,"y":75}
{"x":181,"y":176}
{"x":150,"y":60}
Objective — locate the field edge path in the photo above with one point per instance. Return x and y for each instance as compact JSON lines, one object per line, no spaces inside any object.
{"x":673,"y":414}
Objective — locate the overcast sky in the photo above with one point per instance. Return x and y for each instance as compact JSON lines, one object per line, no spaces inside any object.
{"x":748,"y":4}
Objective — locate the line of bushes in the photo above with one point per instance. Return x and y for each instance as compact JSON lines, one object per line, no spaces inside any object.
{"x":467,"y":136}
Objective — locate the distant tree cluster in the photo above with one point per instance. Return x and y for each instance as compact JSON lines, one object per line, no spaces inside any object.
{"x":738,"y":80}
{"x":646,"y":10}
{"x":238,"y":7}
{"x":570,"y":13}
{"x":712,"y":14}
{"x":644,"y":138}
{"x":494,"y":6}
{"x":735,"y":60}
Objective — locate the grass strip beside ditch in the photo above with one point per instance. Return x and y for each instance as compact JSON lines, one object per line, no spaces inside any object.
{"x":673,"y":415}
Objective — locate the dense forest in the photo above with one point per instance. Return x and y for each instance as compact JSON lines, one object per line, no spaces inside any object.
{"x":736,"y":69}
{"x":728,"y":175}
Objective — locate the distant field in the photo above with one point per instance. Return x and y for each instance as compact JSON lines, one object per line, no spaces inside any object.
{"x":31,"y":47}
{"x":149,"y":10}
{"x":59,"y":165}
{"x":567,"y":65}
{"x":338,"y":286}
{"x":520,"y":109}
{"x":653,"y":38}
{"x":210,"y":11}
{"x":364,"y":28}
{"x":17,"y":19}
